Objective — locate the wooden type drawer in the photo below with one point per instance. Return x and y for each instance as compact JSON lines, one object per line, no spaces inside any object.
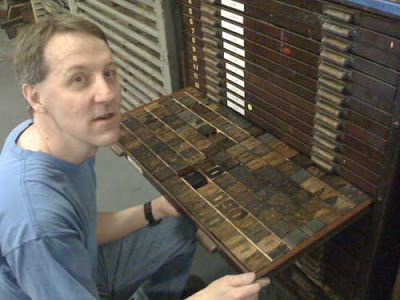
{"x":382,"y":52}
{"x":263,"y":211}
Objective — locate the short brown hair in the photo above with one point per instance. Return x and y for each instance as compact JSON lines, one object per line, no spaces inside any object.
{"x":29,"y":61}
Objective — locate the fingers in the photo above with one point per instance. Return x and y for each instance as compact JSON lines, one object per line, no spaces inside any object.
{"x":240,"y":280}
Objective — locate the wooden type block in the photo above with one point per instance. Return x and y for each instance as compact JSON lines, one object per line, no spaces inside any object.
{"x":146,"y":157}
{"x":235,"y":118}
{"x":200,"y":142}
{"x":219,"y":157}
{"x":256,"y":164}
{"x":326,"y":214}
{"x":230,"y":164}
{"x":269,"y":244}
{"x":207,"y":130}
{"x":288,"y":168}
{"x":251,"y":143}
{"x":173,"y":106}
{"x":226,"y":143}
{"x":269,"y":217}
{"x":142,"y":116}
{"x":267,"y":192}
{"x":236,"y":150}
{"x":224,"y":230}
{"x":312,"y":205}
{"x":255,"y":131}
{"x":152,"y":106}
{"x":248,"y":178}
{"x":238,"y":135}
{"x":274,"y":159}
{"x":246,"y":157}
{"x":247,"y":197}
{"x":256,"y":207}
{"x":252,"y":228}
{"x":257,"y":261}
{"x":225,"y":180}
{"x":341,"y":204}
{"x":131,"y":124}
{"x":282,"y":228}
{"x":316,"y":172}
{"x":134,"y":144}
{"x":301,"y":176}
{"x":283,"y":204}
{"x":163,"y":172}
{"x":212,"y":222}
{"x":354,"y":194}
{"x":302,"y":161}
{"x":176,"y":186}
{"x":313,"y":185}
{"x":214,"y":172}
{"x":261,"y":150}
{"x":271,"y":175}
{"x":125,"y":136}
{"x":286,"y":151}
{"x":295,"y":237}
{"x":266,"y":138}
{"x":289,"y":187}
{"x":279,"y":251}
{"x":188,"y":101}
{"x":234,"y":189}
{"x":301,"y":197}
{"x":312,"y":227}
{"x":239,"y":246}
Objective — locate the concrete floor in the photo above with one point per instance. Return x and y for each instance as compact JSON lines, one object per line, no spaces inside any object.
{"x":120,"y":185}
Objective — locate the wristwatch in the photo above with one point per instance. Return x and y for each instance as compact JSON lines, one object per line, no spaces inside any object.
{"x":148,"y":213}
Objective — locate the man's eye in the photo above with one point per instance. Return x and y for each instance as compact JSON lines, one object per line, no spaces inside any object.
{"x":78,"y":79}
{"x":109,"y":74}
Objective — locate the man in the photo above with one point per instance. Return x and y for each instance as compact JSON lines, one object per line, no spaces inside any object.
{"x":50,"y":228}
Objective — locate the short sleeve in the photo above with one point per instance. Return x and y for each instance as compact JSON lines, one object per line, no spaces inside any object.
{"x":53,"y":268}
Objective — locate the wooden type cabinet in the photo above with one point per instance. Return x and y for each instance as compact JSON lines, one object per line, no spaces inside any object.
{"x":286,"y":153}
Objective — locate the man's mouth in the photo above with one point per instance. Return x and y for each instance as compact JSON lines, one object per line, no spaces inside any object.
{"x":105,"y":117}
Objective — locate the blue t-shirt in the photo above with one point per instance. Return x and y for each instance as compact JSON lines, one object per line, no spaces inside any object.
{"x":48,"y":247}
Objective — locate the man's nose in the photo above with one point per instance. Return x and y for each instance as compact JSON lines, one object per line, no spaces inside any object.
{"x":104,"y":90}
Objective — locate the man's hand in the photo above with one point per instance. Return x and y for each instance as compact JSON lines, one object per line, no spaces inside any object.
{"x":232,"y":287}
{"x":162,"y":208}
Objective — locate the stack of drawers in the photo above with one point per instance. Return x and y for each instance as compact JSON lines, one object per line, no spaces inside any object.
{"x":320,"y":76}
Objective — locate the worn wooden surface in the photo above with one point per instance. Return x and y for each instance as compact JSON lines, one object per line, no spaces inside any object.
{"x":261,"y":201}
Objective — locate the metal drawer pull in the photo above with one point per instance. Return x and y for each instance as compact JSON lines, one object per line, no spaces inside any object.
{"x":335,"y":57}
{"x":338,"y":14}
{"x":209,"y":30}
{"x":213,"y":72}
{"x":328,"y":120}
{"x":210,"y":20}
{"x":323,"y":165}
{"x":332,"y":134}
{"x":210,"y":1}
{"x":213,"y":42}
{"x":326,"y":143}
{"x":213,"y":89}
{"x":212,"y":51}
{"x":330,"y":96}
{"x":336,"y":85}
{"x":211,"y":10}
{"x":333,"y":71}
{"x":216,"y":81}
{"x":336,"y":43}
{"x":335,"y":112}
{"x":323,"y":153}
{"x":336,"y":29}
{"x":213,"y":62}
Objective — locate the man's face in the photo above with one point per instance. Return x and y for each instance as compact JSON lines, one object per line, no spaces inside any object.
{"x":80,"y":93}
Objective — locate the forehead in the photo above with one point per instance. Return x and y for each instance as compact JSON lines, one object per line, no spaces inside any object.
{"x":67,"y":49}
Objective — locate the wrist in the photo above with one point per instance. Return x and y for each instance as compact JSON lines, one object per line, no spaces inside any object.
{"x":158,"y":208}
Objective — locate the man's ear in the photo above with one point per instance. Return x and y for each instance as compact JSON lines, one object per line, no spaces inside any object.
{"x":32,"y":96}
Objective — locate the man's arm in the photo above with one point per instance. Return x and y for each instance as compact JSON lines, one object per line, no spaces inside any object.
{"x":112,"y":226}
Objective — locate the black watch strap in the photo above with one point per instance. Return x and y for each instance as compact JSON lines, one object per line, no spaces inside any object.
{"x":148,"y":213}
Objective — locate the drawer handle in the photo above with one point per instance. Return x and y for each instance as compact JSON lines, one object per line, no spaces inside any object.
{"x":337,"y":58}
{"x":335,"y":112}
{"x":210,"y":20}
{"x":331,"y":122}
{"x":211,"y":10}
{"x":210,"y":1}
{"x":212,"y":51}
{"x":213,"y":42}
{"x":339,"y":30}
{"x":216,"y":81}
{"x":333,"y":97}
{"x":212,"y":61}
{"x":332,"y":134}
{"x":327,"y":144}
{"x":327,"y":155}
{"x":322,"y":164}
{"x":213,"y":72}
{"x":210,"y":31}
{"x":213,"y":89}
{"x":338,"y":14}
{"x":336,"y":43}
{"x":118,"y":150}
{"x":333,"y":71}
{"x":336,"y":85}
